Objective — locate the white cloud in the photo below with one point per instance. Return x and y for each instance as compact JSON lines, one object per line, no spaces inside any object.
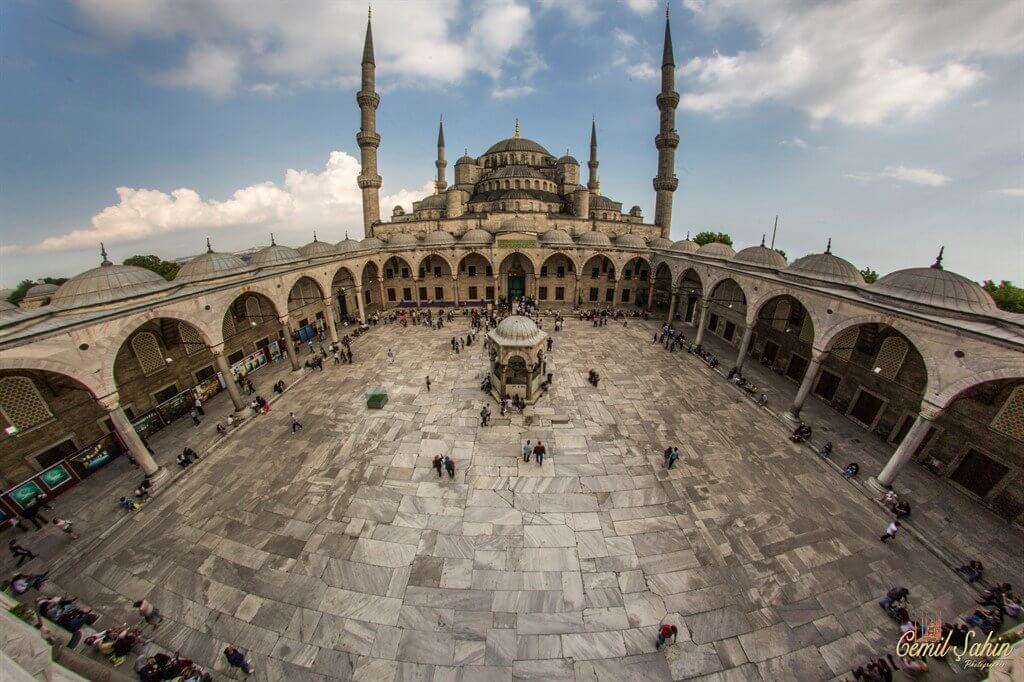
{"x":642,"y":6}
{"x":230,"y":46}
{"x":642,"y":71}
{"x":305,"y":200}
{"x":1010,"y":191}
{"x":624,"y":38}
{"x":511,"y":91}
{"x":860,"y":62}
{"x":800,"y":143}
{"x":914,"y":176}
{"x":579,"y":12}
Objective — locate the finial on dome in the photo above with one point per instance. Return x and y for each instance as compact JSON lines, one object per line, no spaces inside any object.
{"x":369,"y":11}
{"x":762,"y":240}
{"x":314,"y":235}
{"x":272,"y":239}
{"x":346,"y":235}
{"x":465,"y":151}
{"x":828,"y":247}
{"x":938,"y":259}
{"x":209,"y":249}
{"x":687,"y":235}
{"x":515,"y":135}
{"x":103,"y":252}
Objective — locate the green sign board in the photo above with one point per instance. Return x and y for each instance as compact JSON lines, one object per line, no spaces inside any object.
{"x":516,"y":244}
{"x":25,"y":493}
{"x":55,"y":477}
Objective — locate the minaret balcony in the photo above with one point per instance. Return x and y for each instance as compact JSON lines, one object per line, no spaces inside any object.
{"x":668,"y":99}
{"x":367,"y":98}
{"x":368,"y":181}
{"x":669,"y":140}
{"x":669,"y":184}
{"x":367,"y":139}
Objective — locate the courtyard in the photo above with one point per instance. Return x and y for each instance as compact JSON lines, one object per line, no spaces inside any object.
{"x":337,"y":553}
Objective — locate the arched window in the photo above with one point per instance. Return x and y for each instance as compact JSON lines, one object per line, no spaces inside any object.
{"x":253,"y":310}
{"x":780,"y":320}
{"x":190,"y":338}
{"x":1010,"y":418}
{"x":229,"y":325}
{"x":21,"y":403}
{"x":844,"y":344}
{"x":147,"y":352}
{"x":517,"y":185}
{"x":890,"y":357}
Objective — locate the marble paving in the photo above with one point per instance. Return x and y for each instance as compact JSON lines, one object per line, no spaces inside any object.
{"x":337,"y":553}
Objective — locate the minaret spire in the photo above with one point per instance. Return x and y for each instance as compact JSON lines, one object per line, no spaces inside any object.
{"x":593,"y":184}
{"x":667,"y":139}
{"x":369,"y":181}
{"x":440,"y":184}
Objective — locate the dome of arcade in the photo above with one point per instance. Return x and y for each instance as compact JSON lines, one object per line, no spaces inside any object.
{"x":477,"y":237}
{"x":593,"y":238}
{"x":438,"y":238}
{"x":761,"y":256}
{"x":40,"y":290}
{"x":107,"y":283}
{"x":347,"y":245}
{"x":210,"y":265}
{"x":556,"y":236}
{"x":826,"y":266}
{"x":716,"y":250}
{"x":660,"y":243}
{"x":631,"y":240}
{"x":6,"y":305}
{"x":935,"y":287}
{"x":517,"y":330}
{"x":371,"y":243}
{"x":274,"y":255}
{"x":317,"y":249}
{"x":402,"y":239}
{"x":685,"y":246}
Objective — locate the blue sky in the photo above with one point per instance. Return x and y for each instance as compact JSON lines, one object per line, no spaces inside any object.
{"x":893,"y":128}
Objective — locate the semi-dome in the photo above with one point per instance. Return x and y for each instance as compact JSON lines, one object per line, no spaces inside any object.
{"x":317,"y":249}
{"x":660,"y":243}
{"x":438,"y":237}
{"x":515,"y":171}
{"x":209,"y":265}
{"x":761,"y":256}
{"x":403,"y":239}
{"x":107,"y":283}
{"x":593,"y":238}
{"x":347,"y":245}
{"x":477,"y":236}
{"x":556,"y":236}
{"x":631,"y":240}
{"x":517,"y":330}
{"x":935,"y":287}
{"x":273,"y":255}
{"x":516,"y":224}
{"x":685,"y":246}
{"x":371,"y":243}
{"x":717,"y":250}
{"x":826,"y":266}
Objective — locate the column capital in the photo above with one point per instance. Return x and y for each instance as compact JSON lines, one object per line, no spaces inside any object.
{"x":283,"y":319}
{"x":358,"y":287}
{"x":110,"y":402}
{"x":818,"y":354}
{"x":930,"y":411}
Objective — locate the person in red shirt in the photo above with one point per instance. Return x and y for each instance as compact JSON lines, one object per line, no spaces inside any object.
{"x":666,"y":631}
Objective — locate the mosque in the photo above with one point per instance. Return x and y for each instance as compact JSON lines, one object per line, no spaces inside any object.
{"x":921,"y":359}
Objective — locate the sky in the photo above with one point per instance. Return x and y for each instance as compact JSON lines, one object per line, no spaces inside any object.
{"x":892,"y":128}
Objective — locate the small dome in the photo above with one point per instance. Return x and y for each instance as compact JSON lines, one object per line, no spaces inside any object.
{"x":935,"y":287}
{"x":274,"y":255}
{"x":556,"y":236}
{"x":660,"y":243}
{"x":434,"y":201}
{"x":826,"y":266}
{"x":7,"y":305}
{"x":107,"y":283}
{"x":717,"y":250}
{"x":371,"y":243}
{"x":636,"y":211}
{"x":347,"y":245}
{"x":631,"y":240}
{"x":437,"y":238}
{"x":403,"y":239}
{"x":685,"y":246}
{"x":209,"y":265}
{"x":593,"y":238}
{"x":40,"y":290}
{"x":516,"y":224}
{"x":465,"y":158}
{"x":477,"y":237}
{"x":761,"y":256}
{"x":568,"y":159}
{"x":317,"y":249}
{"x":517,"y":330}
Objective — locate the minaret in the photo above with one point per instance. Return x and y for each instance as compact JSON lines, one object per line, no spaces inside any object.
{"x":667,"y":138}
{"x":368,"y":139}
{"x":593,"y":184}
{"x":440,"y":184}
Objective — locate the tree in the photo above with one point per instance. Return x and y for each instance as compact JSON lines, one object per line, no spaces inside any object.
{"x":18,"y":293}
{"x":1007,"y":296}
{"x":165,"y":269}
{"x":870,"y":276}
{"x":703,"y":238}
{"x":781,"y":252}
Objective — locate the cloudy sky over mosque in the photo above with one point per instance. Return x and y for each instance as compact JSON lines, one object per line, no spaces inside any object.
{"x":891,"y":127}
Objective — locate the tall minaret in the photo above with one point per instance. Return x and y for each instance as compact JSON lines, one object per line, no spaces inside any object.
{"x":440,"y":184}
{"x":368,"y":139}
{"x":667,"y":138}
{"x":593,"y":184}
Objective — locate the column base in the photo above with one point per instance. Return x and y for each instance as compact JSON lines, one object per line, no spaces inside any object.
{"x":158,"y":476}
{"x":790,"y":417}
{"x":878,"y":486}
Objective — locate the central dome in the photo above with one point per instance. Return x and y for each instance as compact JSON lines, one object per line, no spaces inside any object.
{"x":517,"y":330}
{"x":517,"y":144}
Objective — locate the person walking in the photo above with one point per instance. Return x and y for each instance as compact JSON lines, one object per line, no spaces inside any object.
{"x":65,"y":527}
{"x":349,"y":355}
{"x":538,"y":453}
{"x":673,"y":455}
{"x":428,"y":383}
{"x":890,"y":531}
{"x":296,"y":424}
{"x":437,"y":464}
{"x":198,"y":404}
{"x":527,"y":449}
{"x":148,"y":612}
{"x":31,"y":513}
{"x":236,"y":659}
{"x":449,"y":466}
{"x":22,"y":554}
{"x":485,"y":414}
{"x":664,"y":632}
{"x":195,"y":417}
{"x":391,"y":356}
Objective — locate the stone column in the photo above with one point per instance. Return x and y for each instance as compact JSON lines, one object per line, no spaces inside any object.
{"x":289,"y":347}
{"x":383,"y":297}
{"x":615,"y":293}
{"x":702,"y":323}
{"x":221,"y":363}
{"x":650,"y":297}
{"x":672,"y":307}
{"x":741,"y":358}
{"x":416,"y":291}
{"x":810,"y":376}
{"x":455,"y":290}
{"x":576,"y":293}
{"x":359,"y":303}
{"x":497,"y":290}
{"x":907,"y":447}
{"x":332,"y":326}
{"x":134,"y":443}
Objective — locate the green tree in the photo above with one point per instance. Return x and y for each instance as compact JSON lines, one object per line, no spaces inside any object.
{"x":870,"y":276}
{"x":1007,"y":296}
{"x":703,"y":238}
{"x":18,"y":293}
{"x":165,"y":269}
{"x":781,"y":252}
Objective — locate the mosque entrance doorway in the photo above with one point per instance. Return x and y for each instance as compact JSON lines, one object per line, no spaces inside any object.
{"x":516,"y":286}
{"x":342,"y":305}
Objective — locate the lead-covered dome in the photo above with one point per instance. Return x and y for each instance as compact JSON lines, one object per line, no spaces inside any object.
{"x":515,"y":171}
{"x":761,"y":256}
{"x":685,"y":246}
{"x":40,"y":290}
{"x":274,"y":255}
{"x":517,"y":330}
{"x":318,"y":249}
{"x":593,"y":238}
{"x":465,"y":158}
{"x":107,"y":283}
{"x":347,"y":245}
{"x":935,"y":287}
{"x":631,"y":240}
{"x":826,"y":266}
{"x":660,"y":243}
{"x":371,"y":243}
{"x":210,"y":265}
{"x":516,"y":224}
{"x":556,"y":236}
{"x":477,"y":236}
{"x":438,"y":238}
{"x":716,"y":250}
{"x":402,"y":239}
{"x":517,"y":144}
